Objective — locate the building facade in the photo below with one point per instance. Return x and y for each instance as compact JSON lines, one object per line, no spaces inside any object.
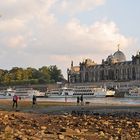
{"x":114,"y":68}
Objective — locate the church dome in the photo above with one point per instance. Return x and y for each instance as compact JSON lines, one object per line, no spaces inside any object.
{"x":119,"y":56}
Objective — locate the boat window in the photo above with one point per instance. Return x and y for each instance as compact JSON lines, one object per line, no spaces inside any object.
{"x":66,"y":93}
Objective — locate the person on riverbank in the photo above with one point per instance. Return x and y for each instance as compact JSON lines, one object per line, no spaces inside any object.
{"x":78,"y":100}
{"x":65,"y":98}
{"x":82,"y":101}
{"x":15,"y":101}
{"x":33,"y":101}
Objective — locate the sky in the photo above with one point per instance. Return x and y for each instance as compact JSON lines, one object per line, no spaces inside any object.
{"x":36,"y":33}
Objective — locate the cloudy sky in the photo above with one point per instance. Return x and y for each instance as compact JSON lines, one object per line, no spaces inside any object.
{"x":40,"y":33}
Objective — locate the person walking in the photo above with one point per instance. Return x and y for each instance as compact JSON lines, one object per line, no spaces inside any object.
{"x":33,"y":101}
{"x":65,"y":98}
{"x":82,"y":102}
{"x":15,"y":101}
{"x":78,"y":100}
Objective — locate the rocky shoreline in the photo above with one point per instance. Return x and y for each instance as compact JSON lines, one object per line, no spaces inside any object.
{"x":105,"y":126}
{"x":60,"y":121}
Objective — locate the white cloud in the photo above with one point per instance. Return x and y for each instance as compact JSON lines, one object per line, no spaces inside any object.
{"x":75,"y":6}
{"x":11,"y":25}
{"x":16,"y":41}
{"x":101,"y":34}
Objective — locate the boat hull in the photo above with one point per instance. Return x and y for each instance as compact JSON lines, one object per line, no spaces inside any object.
{"x":132,"y":96}
{"x":74,"y":96}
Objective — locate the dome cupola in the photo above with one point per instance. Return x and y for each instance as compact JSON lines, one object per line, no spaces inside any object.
{"x":119,"y":56}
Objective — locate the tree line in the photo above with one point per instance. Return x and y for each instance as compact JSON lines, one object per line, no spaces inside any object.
{"x":20,"y":76}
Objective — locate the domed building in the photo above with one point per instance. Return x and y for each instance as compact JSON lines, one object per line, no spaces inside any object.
{"x":114,"y":68}
{"x":119,"y":56}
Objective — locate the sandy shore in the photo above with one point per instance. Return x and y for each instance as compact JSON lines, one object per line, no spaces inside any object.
{"x":57,"y":108}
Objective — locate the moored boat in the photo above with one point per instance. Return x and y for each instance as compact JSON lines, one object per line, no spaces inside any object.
{"x":110,"y":93}
{"x":6,"y":94}
{"x":62,"y":92}
{"x":86,"y":91}
{"x":27,"y":92}
{"x":134,"y":92}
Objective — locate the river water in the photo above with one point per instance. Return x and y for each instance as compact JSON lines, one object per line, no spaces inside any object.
{"x":106,"y":100}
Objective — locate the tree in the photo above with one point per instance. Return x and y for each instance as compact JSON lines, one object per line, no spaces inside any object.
{"x":6,"y":79}
{"x":55,"y":73}
{"x":2,"y":73}
{"x":16,"y":73}
{"x":45,"y":73}
{"x":20,"y":76}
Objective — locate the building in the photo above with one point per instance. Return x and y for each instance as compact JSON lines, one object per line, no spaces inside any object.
{"x":114,"y":68}
{"x":73,"y":74}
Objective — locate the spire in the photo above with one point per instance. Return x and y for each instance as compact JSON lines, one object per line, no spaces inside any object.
{"x":118,"y":47}
{"x":138,"y":52}
{"x":71,"y":63}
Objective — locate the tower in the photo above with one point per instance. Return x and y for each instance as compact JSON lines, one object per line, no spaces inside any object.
{"x":71,"y":64}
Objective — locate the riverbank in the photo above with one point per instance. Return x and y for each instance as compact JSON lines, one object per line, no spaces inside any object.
{"x":30,"y":126}
{"x":67,"y":121}
{"x":60,"y":108}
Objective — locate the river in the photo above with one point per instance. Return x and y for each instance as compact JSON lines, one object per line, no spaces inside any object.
{"x":106,"y":100}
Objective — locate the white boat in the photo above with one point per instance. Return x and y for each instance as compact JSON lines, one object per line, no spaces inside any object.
{"x":89,"y":91}
{"x":110,"y":93}
{"x":8,"y":93}
{"x":62,"y":92}
{"x":86,"y":91}
{"x":135,"y":92}
{"x":27,"y":92}
{"x":94,"y":91}
{"x":38,"y":93}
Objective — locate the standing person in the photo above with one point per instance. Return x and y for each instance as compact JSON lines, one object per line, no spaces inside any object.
{"x":34,"y":101}
{"x":65,"y":98}
{"x":78,"y":100}
{"x":82,"y":100}
{"x":15,"y":101}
